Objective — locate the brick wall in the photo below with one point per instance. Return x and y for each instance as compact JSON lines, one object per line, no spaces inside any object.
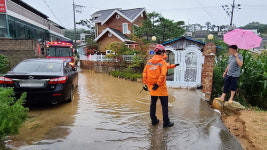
{"x":207,"y":68}
{"x":100,"y":67}
{"x":105,"y":41}
{"x":18,"y":50}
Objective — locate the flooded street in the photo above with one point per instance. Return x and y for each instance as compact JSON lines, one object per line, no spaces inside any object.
{"x":109,"y":113}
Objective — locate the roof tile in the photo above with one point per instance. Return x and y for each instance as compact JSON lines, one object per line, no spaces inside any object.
{"x":102,"y":15}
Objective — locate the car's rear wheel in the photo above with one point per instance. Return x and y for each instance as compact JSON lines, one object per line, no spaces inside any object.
{"x":71,"y":95}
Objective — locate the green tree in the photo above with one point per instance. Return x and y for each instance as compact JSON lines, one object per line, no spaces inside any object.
{"x":148,"y":28}
{"x":143,"y":46}
{"x":168,"y":29}
{"x":69,"y":33}
{"x":91,"y":44}
{"x":163,"y":28}
{"x":90,"y":28}
{"x":220,"y":43}
{"x":86,"y":23}
{"x":118,"y":49}
{"x":208,"y":25}
{"x":213,"y":27}
{"x":262,"y":28}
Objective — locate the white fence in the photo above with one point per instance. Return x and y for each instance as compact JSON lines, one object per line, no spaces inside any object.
{"x":101,"y":57}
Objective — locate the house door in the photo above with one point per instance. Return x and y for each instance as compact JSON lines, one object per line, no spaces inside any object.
{"x":191,"y":61}
{"x":190,"y":74}
{"x":189,"y":71}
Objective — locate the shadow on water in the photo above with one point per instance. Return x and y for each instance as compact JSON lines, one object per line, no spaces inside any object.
{"x":109,"y":113}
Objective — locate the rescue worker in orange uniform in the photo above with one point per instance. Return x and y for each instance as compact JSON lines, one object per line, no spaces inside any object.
{"x":154,"y":78}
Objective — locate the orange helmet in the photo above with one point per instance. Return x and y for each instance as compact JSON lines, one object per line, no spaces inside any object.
{"x":160,"y":47}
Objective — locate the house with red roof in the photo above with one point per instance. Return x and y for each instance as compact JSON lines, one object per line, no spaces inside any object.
{"x":116,"y":25}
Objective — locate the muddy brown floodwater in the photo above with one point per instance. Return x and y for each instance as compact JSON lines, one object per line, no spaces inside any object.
{"x":109,"y":113}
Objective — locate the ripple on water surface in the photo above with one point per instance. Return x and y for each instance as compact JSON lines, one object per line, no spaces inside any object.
{"x":109,"y":113}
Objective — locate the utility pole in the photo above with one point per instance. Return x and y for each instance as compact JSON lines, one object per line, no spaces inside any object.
{"x":74,"y":19}
{"x":232,"y":13}
{"x":229,"y":9}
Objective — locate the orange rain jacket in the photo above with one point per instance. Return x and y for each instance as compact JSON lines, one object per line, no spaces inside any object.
{"x":169,"y":66}
{"x":155,"y":72}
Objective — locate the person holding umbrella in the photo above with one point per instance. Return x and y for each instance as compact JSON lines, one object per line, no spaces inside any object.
{"x":232,"y":72}
{"x":237,"y":38}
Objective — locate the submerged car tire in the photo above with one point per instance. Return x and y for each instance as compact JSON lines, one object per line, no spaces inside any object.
{"x":71,"y":95}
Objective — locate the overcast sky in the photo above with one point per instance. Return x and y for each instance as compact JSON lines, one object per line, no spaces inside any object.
{"x":190,"y":11}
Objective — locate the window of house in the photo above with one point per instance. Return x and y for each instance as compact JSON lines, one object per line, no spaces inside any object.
{"x":109,"y":34}
{"x":108,"y":52}
{"x":117,"y":16}
{"x":142,"y":15}
{"x":125,"y":28}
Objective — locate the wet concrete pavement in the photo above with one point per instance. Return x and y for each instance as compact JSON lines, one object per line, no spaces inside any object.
{"x":109,"y":113}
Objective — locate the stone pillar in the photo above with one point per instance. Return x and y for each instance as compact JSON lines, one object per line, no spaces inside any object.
{"x":209,"y":52}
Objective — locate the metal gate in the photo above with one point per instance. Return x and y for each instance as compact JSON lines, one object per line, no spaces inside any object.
{"x":189,"y":71}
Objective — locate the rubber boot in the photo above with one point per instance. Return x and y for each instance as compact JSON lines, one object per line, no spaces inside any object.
{"x":168,"y":124}
{"x":155,"y":122}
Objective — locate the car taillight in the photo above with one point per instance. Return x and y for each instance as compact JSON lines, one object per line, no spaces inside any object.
{"x":58,"y":80}
{"x":4,"y":80}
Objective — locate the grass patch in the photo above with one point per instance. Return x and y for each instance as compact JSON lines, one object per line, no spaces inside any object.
{"x":126,"y":75}
{"x":255,"y":108}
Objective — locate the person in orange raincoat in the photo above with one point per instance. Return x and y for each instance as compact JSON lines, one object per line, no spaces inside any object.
{"x":154,"y":78}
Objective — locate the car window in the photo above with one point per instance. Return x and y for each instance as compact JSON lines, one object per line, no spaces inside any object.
{"x":32,"y":66}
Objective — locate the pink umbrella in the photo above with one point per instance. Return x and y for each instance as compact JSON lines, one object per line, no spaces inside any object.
{"x":244,"y":39}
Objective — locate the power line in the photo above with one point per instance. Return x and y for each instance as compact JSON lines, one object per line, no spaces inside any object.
{"x":172,"y":9}
{"x":52,"y":12}
{"x":183,"y":9}
{"x":205,"y":10}
{"x":76,"y":9}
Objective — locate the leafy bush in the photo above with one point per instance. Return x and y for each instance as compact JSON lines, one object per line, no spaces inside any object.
{"x":218,"y":70}
{"x":137,"y":65}
{"x":12,"y":112}
{"x":4,"y":64}
{"x":252,"y":84}
{"x":126,"y":75}
{"x":253,"y":80}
